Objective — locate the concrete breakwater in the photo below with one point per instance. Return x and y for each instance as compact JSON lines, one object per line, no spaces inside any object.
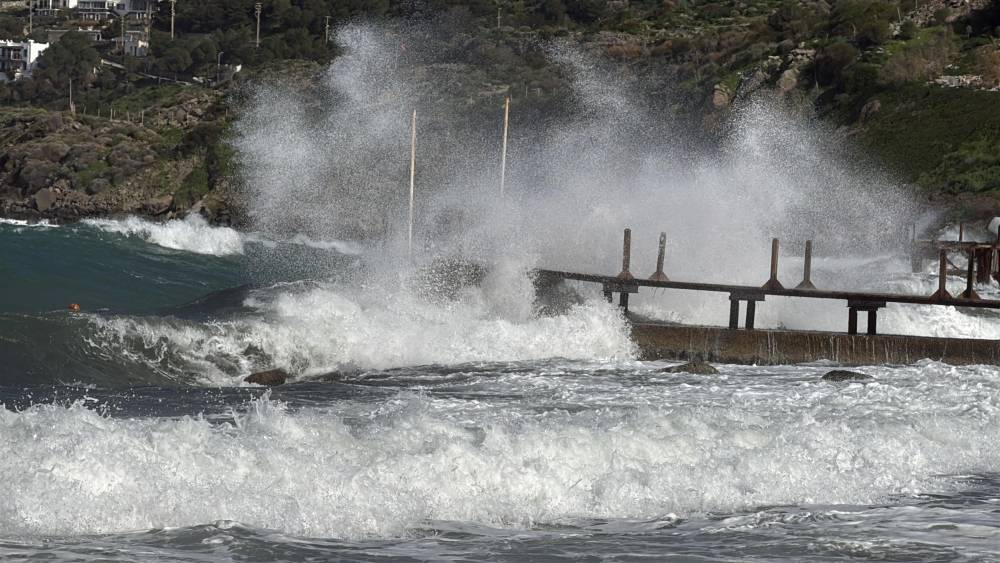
{"x":772,"y":347}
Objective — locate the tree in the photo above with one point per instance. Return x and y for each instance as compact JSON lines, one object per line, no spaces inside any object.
{"x":176,"y":59}
{"x":72,"y":57}
{"x":865,"y":22}
{"x":832,"y":60}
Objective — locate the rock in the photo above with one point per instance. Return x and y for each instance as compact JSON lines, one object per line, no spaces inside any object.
{"x":44,"y":199}
{"x":269,"y":377}
{"x":844,"y":375}
{"x":37,"y":174}
{"x":871,"y":108}
{"x":98,"y":185}
{"x":159,"y":205}
{"x":789,"y":79}
{"x":696,"y":367}
{"x":721,"y":96}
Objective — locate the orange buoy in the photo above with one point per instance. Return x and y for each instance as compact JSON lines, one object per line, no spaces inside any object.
{"x":75,"y":307}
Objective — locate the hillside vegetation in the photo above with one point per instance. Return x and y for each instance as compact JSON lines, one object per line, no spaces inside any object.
{"x":914,"y":82}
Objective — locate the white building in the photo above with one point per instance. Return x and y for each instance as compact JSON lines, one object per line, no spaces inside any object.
{"x":18,"y":58}
{"x":95,"y":9}
{"x":52,"y":7}
{"x":104,"y":9}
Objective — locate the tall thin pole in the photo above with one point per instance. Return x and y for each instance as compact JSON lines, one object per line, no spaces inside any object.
{"x":326,"y":33}
{"x":173,"y":11}
{"x":503,"y":150}
{"x":31,"y":14}
{"x":413,"y":166}
{"x":257,"y":8}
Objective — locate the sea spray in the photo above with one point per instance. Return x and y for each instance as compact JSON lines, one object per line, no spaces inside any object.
{"x":316,"y":330}
{"x":636,"y":453}
{"x":192,"y":234}
{"x":608,"y":161}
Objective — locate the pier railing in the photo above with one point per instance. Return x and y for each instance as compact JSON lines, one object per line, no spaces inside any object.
{"x":625,"y":283}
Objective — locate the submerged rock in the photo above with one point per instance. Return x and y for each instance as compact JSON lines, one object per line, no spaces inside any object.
{"x":696,"y":367}
{"x":844,"y":375}
{"x":269,"y":377}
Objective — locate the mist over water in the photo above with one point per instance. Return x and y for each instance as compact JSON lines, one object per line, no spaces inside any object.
{"x":334,"y":163}
{"x":462,"y":423}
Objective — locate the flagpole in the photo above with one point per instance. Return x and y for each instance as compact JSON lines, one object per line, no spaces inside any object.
{"x":413,"y":164}
{"x":503,"y":150}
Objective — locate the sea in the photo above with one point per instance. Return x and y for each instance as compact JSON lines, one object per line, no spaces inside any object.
{"x":457,"y":425}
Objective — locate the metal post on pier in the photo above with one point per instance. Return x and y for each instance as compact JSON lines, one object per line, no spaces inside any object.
{"x":970,"y":277}
{"x":773,"y":283}
{"x":961,"y":232}
{"x":625,"y":275}
{"x":869,"y":306}
{"x":984,"y":264}
{"x":942,"y":292}
{"x":995,"y":257}
{"x":807,"y":268}
{"x":625,"y":283}
{"x":659,"y":275}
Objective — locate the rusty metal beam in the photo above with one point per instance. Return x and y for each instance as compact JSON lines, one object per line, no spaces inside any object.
{"x":807,"y":268}
{"x":773,"y":282}
{"x":659,"y":275}
{"x":811,"y":294}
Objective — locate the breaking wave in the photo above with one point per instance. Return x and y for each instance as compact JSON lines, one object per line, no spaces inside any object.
{"x":192,"y":234}
{"x":373,"y":471}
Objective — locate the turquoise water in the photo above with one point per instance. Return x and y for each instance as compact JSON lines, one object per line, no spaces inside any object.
{"x":419,"y":428}
{"x":45,"y":269}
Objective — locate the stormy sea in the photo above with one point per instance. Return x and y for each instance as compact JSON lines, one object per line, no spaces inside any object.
{"x":464,"y":429}
{"x":436,"y":407}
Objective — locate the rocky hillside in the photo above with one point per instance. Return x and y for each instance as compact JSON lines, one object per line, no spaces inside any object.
{"x":164,"y":162}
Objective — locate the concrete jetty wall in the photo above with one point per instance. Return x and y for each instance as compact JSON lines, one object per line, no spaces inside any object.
{"x":770,"y":347}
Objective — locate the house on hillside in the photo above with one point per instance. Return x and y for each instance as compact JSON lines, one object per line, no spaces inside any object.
{"x":52,"y":7}
{"x":95,"y":9}
{"x":106,"y":9}
{"x":136,"y":9}
{"x":18,"y":58}
{"x":92,"y":35}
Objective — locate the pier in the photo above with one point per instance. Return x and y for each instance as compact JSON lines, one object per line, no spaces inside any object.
{"x":754,"y":346}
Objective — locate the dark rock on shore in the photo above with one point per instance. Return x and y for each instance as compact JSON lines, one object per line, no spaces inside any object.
{"x":269,"y":377}
{"x":696,"y":367}
{"x":844,"y":375}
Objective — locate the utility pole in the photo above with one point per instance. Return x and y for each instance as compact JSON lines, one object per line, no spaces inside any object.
{"x":72,"y":108}
{"x":31,"y":13}
{"x":123,"y":38}
{"x":326,"y":35}
{"x":257,"y":8}
{"x":218,"y":68}
{"x":498,"y":18}
{"x":173,"y":10}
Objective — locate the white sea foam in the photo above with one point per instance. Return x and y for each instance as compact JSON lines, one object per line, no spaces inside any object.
{"x":326,"y":328}
{"x":43,"y":224}
{"x":739,"y":443}
{"x":192,"y":234}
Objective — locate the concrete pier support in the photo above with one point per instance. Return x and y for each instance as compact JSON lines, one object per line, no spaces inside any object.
{"x":774,"y":347}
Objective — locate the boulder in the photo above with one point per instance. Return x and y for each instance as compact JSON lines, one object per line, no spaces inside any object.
{"x":871,"y":108}
{"x":844,"y":375}
{"x":158,"y":205}
{"x":98,"y":185}
{"x":269,"y":377}
{"x":696,"y":367}
{"x":788,"y":80}
{"x":721,"y":96}
{"x":44,"y":199}
{"x":37,"y":174}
